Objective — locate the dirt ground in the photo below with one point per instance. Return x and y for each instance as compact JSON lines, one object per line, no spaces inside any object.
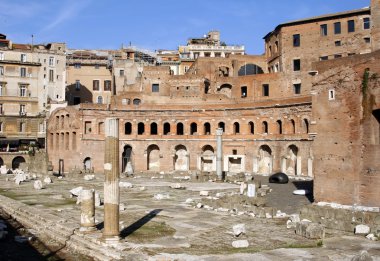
{"x":171,"y":229}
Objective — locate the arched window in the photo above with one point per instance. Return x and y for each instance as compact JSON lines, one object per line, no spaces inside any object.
{"x":153,"y":128}
{"x":193,"y":128}
{"x":306,"y":125}
{"x":140,"y":128}
{"x":236,"y":128}
{"x":128,"y":128}
{"x":100,"y":100}
{"x":166,"y":128}
{"x":179,"y":128}
{"x":207,"y":128}
{"x":251,"y":127}
{"x":293,"y":126}
{"x":136,"y":102}
{"x":279,"y":127}
{"x":265,"y":127}
{"x":221,"y":125}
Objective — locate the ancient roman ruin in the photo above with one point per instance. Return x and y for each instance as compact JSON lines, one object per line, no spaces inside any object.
{"x":166,"y":155}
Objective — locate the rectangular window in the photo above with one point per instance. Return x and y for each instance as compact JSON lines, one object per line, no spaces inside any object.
{"x":366,"y":23}
{"x":1,"y":56}
{"x":367,"y":39}
{"x":2,"y":86}
{"x":323,"y":29}
{"x":266,"y":90}
{"x":351,"y":26}
{"x":296,"y":40}
{"x":323,"y":58}
{"x":1,"y":70}
{"x":95,"y":85}
{"x":51,"y":75}
{"x":96,"y":66}
{"x":23,"y":90}
{"x":337,"y":56}
{"x":337,"y":28}
{"x":244,"y":91}
{"x":155,"y":87}
{"x":23,"y":57}
{"x":297,"y":88}
{"x":87,"y":127}
{"x":107,"y":85}
{"x":22,"y":127}
{"x":22,"y":109}
{"x":331,"y":95}
{"x":338,"y":43}
{"x":121,"y":73}
{"x":77,"y":65}
{"x":51,"y":61}
{"x":296,"y":65}
{"x":77,"y":85}
{"x":23,"y":72}
{"x":1,"y":109}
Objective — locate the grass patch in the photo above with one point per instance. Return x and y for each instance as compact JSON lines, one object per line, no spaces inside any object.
{"x":150,"y":231}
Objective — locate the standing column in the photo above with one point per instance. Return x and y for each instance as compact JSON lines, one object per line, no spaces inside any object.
{"x":111,"y":183}
{"x":87,"y":216}
{"x":219,"y":153}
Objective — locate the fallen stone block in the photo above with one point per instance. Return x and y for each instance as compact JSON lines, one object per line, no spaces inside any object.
{"x":98,"y":201}
{"x":199,"y":205}
{"x":189,"y":201}
{"x":238,"y":229}
{"x":161,"y":196}
{"x":310,"y":230}
{"x":89,"y":177}
{"x":372,"y":237}
{"x":38,"y":185}
{"x":125,"y":184}
{"x":240,"y":244}
{"x":203,"y":193}
{"x":177,"y":186}
{"x":76,"y":191}
{"x":363,"y":256}
{"x":47,"y":180}
{"x":362,"y":230}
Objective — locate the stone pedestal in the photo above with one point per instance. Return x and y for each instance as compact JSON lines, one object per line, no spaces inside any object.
{"x":87,"y":216}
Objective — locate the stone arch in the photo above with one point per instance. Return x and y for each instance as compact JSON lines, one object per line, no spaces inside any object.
{"x":292,"y":160}
{"x":226,"y":89}
{"x":207,"y":128}
{"x":375,"y":125}
{"x":153,"y":152}
{"x":265,"y":163}
{"x":166,"y":128}
{"x":87,"y":163}
{"x":236,"y":128}
{"x":265,"y":127}
{"x":305,"y":124}
{"x":128,"y":128}
{"x":136,"y":101}
{"x":251,"y":126}
{"x":279,"y":126}
{"x":208,"y":162}
{"x":153,"y":128}
{"x":180,"y":128}
{"x":127,"y":159}
{"x":181,"y":158}
{"x":250,"y":69}
{"x":222,"y":125}
{"x":292,"y":126}
{"x":193,"y":128}
{"x":17,"y":161}
{"x":140,"y":128}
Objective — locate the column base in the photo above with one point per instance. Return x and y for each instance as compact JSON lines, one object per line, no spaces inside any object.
{"x":111,"y":240}
{"x":87,"y":229}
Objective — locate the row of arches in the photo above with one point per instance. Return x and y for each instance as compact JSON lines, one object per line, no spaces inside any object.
{"x":263,"y":161}
{"x":16,"y":161}
{"x":205,"y":128}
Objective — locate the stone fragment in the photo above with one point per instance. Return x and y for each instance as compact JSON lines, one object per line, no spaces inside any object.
{"x":267,"y":215}
{"x":243,"y":188}
{"x":310,"y":230}
{"x":177,"y":186}
{"x":220,"y":194}
{"x":3,"y":170}
{"x":129,"y":168}
{"x":123,"y":184}
{"x":372,"y":237}
{"x":20,"y":177}
{"x":122,"y":207}
{"x":47,"y":180}
{"x":98,"y":201}
{"x":295,"y":218}
{"x":363,"y":256}
{"x":199,"y":205}
{"x":38,"y":185}
{"x":240,"y":244}
{"x":238,"y":229}
{"x":362,"y":230}
{"x":89,"y":177}
{"x":280,"y":214}
{"x":189,"y":201}
{"x":204,"y":193}
{"x":142,"y":188}
{"x":161,"y":196}
{"x":76,"y":191}
{"x":301,"y":192}
{"x":251,"y":191}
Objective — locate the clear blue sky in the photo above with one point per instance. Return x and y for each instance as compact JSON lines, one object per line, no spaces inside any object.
{"x":155,"y":24}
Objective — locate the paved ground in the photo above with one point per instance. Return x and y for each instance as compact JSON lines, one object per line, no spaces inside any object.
{"x":170,"y":229}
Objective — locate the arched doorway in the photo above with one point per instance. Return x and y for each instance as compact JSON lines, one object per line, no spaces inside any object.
{"x":291,"y":160}
{"x":17,"y":161}
{"x":265,"y":160}
{"x":87,"y":164}
{"x":181,"y":158}
{"x":208,"y":158}
{"x":126,"y":160}
{"x":153,"y":158}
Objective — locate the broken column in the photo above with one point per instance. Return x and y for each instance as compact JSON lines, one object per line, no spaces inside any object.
{"x":111,"y":183}
{"x":87,"y":216}
{"x":219,"y":153}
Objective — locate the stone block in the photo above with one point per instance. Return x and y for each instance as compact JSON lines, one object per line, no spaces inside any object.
{"x":362,"y":230}
{"x":240,"y":244}
{"x":238,"y":229}
{"x":310,"y":230}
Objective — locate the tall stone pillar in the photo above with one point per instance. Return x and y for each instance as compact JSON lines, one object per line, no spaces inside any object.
{"x":219,"y":153}
{"x":87,"y":216}
{"x":111,"y":183}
